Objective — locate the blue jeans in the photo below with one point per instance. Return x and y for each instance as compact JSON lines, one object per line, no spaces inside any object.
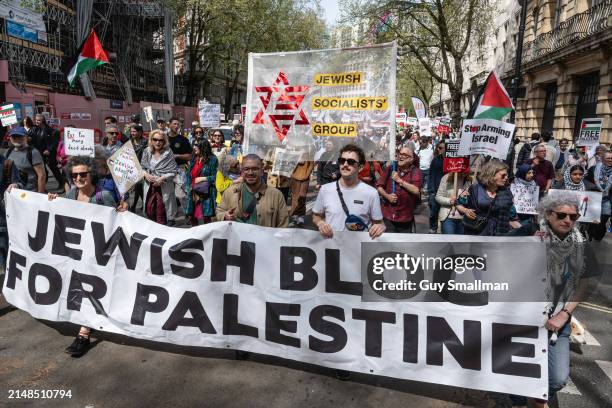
{"x":425,"y":180}
{"x":453,"y":226}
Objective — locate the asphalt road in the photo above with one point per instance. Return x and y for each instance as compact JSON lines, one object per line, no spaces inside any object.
{"x":123,"y":372}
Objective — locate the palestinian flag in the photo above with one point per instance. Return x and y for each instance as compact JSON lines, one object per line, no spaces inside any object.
{"x":90,"y":55}
{"x":492,"y":102}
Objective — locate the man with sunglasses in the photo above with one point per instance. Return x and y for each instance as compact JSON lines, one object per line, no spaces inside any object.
{"x":348,"y":198}
{"x":112,"y":142}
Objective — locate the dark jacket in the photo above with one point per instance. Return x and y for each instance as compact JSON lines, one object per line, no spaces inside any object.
{"x":525,"y":152}
{"x":326,"y":168}
{"x":436,"y":172}
{"x":13,"y":178}
{"x":45,"y":138}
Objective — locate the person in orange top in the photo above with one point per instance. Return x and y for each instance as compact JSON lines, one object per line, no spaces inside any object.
{"x":300,"y":180}
{"x":372,"y":170}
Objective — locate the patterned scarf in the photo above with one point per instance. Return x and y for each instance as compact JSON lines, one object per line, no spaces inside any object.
{"x":569,"y":184}
{"x":603,"y":176}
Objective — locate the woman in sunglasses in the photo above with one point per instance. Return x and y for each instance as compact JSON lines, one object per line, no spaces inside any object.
{"x":84,"y":174}
{"x":202,"y":193}
{"x":488,"y":207}
{"x":198,"y":134}
{"x":567,"y":283}
{"x":217,"y":142}
{"x":160,"y":168}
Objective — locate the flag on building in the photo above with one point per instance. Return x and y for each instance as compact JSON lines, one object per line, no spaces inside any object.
{"x":90,"y":55}
{"x":493,"y":102}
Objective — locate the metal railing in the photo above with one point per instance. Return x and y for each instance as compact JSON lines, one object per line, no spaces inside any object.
{"x":578,"y":27}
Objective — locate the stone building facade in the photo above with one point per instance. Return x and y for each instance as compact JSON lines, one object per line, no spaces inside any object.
{"x":567,"y":67}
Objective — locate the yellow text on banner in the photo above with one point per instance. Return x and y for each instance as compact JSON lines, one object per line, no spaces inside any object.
{"x":339,"y":79}
{"x":355,"y":103}
{"x":334,"y":129}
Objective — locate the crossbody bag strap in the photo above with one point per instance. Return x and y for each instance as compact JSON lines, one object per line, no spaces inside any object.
{"x":340,"y":195}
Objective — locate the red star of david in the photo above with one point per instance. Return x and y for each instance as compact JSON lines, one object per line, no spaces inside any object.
{"x":289,"y":99}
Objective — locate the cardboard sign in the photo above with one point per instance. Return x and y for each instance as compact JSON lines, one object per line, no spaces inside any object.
{"x":125,"y":168}
{"x":285,"y":161}
{"x":590,"y":132}
{"x":589,"y":203}
{"x":8,"y":115}
{"x":453,"y":163}
{"x":424,"y":127}
{"x":526,"y":197}
{"x":209,"y":115}
{"x":79,"y":142}
{"x":489,"y":137}
{"x":148,"y":113}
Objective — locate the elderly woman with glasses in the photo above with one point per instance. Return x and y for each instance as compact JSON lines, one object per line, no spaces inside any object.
{"x":160,"y":168}
{"x":84,"y":174}
{"x":488,"y":207}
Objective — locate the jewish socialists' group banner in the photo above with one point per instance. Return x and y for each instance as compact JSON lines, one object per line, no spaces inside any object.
{"x":302,"y":98}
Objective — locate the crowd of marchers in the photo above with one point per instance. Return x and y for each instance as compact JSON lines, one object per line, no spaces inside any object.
{"x":206,"y":178}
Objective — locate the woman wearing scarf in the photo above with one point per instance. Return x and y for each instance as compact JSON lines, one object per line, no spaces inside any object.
{"x":449,"y":216}
{"x":567,"y":283}
{"x":217,"y":142}
{"x":601,"y":176}
{"x":160,"y":168}
{"x":524,"y":179}
{"x":202,"y":192}
{"x":488,"y":207}
{"x":573,"y":179}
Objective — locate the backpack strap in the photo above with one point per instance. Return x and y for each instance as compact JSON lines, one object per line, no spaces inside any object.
{"x":7,"y":172}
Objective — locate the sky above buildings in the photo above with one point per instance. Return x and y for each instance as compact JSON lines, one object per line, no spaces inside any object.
{"x":331,"y":10}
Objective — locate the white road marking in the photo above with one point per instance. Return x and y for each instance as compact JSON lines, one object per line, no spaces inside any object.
{"x":590,"y":340}
{"x":570,"y":388}
{"x":606,"y":367}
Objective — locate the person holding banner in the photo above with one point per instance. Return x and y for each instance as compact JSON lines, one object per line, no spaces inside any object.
{"x":201,"y":188}
{"x":84,"y":174}
{"x":449,"y":215}
{"x":160,"y":168}
{"x":400,"y":188}
{"x":488,"y":207}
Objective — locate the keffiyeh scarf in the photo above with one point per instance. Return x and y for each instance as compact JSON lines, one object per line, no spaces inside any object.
{"x":569,"y":184}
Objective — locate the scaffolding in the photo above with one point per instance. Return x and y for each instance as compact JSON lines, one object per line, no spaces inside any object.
{"x":132,"y":31}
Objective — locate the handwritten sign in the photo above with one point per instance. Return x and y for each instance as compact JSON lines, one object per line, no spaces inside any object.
{"x":209,"y":115}
{"x":453,"y":163}
{"x":589,"y":203}
{"x":8,"y":115}
{"x":79,"y":142}
{"x":590,"y":132}
{"x":285,"y":161}
{"x":125,"y":168}
{"x":526,"y":197}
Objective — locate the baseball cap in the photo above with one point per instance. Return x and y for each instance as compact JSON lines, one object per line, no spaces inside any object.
{"x":18,"y":131}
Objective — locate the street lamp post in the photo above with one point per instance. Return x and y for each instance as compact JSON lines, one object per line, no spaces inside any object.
{"x":519,"y":58}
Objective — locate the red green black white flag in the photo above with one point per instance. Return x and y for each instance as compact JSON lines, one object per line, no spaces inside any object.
{"x":493,"y":102}
{"x":90,"y":55}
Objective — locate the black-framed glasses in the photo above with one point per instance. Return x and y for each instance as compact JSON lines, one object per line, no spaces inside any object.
{"x":562,"y":215}
{"x":82,"y":174}
{"x":350,"y":162}
{"x":113,"y":133}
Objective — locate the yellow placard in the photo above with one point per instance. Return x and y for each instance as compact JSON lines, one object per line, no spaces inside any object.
{"x":355,"y":103}
{"x":334,"y":129}
{"x":339,"y":79}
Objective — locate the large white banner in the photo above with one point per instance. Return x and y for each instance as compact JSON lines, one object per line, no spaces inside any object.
{"x":486,"y":136}
{"x":28,"y":13}
{"x":296,"y":98}
{"x":281,"y":292}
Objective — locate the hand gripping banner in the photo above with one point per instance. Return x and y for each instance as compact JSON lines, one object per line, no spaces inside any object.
{"x":302,"y":98}
{"x":282,"y":292}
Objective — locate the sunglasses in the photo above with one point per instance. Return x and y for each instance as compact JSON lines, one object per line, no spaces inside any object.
{"x":405,"y":156}
{"x":113,"y":133}
{"x":562,"y":216}
{"x":82,"y":174}
{"x":350,"y":162}
{"x":158,"y":140}
{"x":197,"y":132}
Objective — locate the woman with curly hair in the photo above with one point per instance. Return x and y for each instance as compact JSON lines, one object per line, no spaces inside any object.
{"x":202,"y":192}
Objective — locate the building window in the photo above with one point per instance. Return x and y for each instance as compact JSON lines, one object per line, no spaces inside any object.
{"x":550,"y":102}
{"x":536,"y":18}
{"x":588,"y":91}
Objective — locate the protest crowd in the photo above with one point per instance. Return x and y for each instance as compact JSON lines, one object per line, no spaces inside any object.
{"x":205,"y":179}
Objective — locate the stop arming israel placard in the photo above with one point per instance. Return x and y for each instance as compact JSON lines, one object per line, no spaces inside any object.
{"x":489,"y":137}
{"x":282,"y":292}
{"x":297,"y":98}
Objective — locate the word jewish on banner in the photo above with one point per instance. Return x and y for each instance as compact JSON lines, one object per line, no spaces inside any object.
{"x":589,"y":203}
{"x":590,"y":132}
{"x":296,"y":98}
{"x":526,"y":197}
{"x":453,"y":163}
{"x":8,"y":115}
{"x":79,"y":142}
{"x":486,"y":136}
{"x":285,"y":161}
{"x":209,"y":115}
{"x":239,"y":286}
{"x":125,"y":167}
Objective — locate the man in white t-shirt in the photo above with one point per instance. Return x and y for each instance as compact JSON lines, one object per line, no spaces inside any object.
{"x":426,"y":153}
{"x":361,"y":199}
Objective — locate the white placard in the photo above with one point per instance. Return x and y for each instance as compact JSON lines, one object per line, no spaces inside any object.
{"x":424,"y":127}
{"x":589,"y":201}
{"x":285,"y":161}
{"x":209,"y":115}
{"x":8,"y":115}
{"x":125,"y":167}
{"x":489,"y":137}
{"x":79,"y":142}
{"x":526,"y":197}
